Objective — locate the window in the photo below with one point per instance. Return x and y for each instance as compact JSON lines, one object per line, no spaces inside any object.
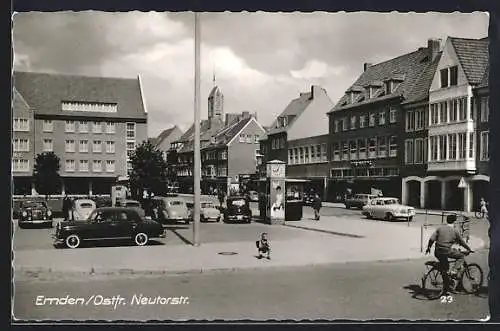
{"x":48,"y":126}
{"x":296,"y":154}
{"x":347,"y":172}
{"x":471,"y":144}
{"x":381,"y":118}
{"x":444,"y":77}
{"x":353,"y":146}
{"x":376,"y":172}
{"x":353,"y":122}
{"x":393,"y":146}
{"x":20,"y":165}
{"x":21,"y":145}
{"x":391,"y":172}
{"x":282,"y":142}
{"x":336,"y":126}
{"x":97,"y":166}
{"x":462,"y":107}
{"x":382,"y":147}
{"x":362,"y":149}
{"x":462,"y":145}
{"x":318,"y":153}
{"x":130,"y":148}
{"x":21,"y":124}
{"x":223,"y":155}
{"x":130,"y":130}
{"x":256,"y":139}
{"x":248,"y":139}
{"x":433,"y":148}
{"x":345,"y":150}
{"x":442,"y":147}
{"x":392,"y":115}
{"x":290,"y":156}
{"x":372,"y":119}
{"x":434,"y":114}
{"x":84,"y":146}
{"x":70,"y":165}
{"x":301,"y":155}
{"x":454,"y":76}
{"x":361,"y":172}
{"x":110,"y":165}
{"x":426,"y":151}
{"x":484,"y":105}
{"x":306,"y":154}
{"x":110,"y":147}
{"x":372,"y":148}
{"x":96,"y":127}
{"x":443,"y":112}
{"x":453,"y":110}
{"x":97,"y":146}
{"x":336,"y":173}
{"x":83,"y":166}
{"x":452,"y":150}
{"x":409,"y":152}
{"x":69,"y":126}
{"x":110,"y":127}
{"x":419,"y":151}
{"x":48,"y":146}
{"x":69,"y":146}
{"x":419,"y":119}
{"x":336,"y":151}
{"x":83,"y":126}
{"x":410,"y":121}
{"x":362,"y":121}
{"x":484,"y":153}
{"x":344,"y":124}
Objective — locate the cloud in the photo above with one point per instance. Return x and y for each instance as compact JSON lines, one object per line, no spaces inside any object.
{"x":261,"y":60}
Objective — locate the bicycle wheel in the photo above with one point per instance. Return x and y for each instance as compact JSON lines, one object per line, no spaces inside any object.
{"x":472,"y":278}
{"x":478,"y":214}
{"x":432,"y":284}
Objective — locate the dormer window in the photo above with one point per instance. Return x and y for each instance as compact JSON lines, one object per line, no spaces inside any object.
{"x":389,"y":86}
{"x":212,"y":140}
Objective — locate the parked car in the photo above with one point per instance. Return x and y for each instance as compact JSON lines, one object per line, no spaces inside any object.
{"x":388,"y":209}
{"x":132,"y":204}
{"x":34,"y":212}
{"x":83,"y":208}
{"x":359,"y":200}
{"x":253,"y":196}
{"x":237,"y":210}
{"x":208,"y":211}
{"x":108,"y":223}
{"x":170,"y":210}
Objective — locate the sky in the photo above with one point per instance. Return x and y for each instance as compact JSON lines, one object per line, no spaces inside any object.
{"x":261,"y":60}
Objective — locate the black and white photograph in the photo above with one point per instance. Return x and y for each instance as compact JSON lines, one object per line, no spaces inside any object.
{"x":202,"y":166}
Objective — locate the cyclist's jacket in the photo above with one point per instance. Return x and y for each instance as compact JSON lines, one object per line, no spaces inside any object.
{"x":445,"y":237}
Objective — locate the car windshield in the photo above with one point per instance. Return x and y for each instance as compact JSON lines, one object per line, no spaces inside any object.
{"x":86,"y":205}
{"x":33,"y":204}
{"x":391,"y":202}
{"x":133,"y":204}
{"x":238,"y":202}
{"x":207,"y":205}
{"x":176,"y":203}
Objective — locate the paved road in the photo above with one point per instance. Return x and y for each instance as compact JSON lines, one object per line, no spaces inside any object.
{"x":354,"y":291}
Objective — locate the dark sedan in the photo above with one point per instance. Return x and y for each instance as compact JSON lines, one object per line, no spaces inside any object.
{"x":109,"y":223}
{"x":237,"y":210}
{"x":34,"y":212}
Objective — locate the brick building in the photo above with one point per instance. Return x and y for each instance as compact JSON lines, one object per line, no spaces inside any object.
{"x":91,"y":123}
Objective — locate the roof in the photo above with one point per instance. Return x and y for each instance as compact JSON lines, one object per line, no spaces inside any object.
{"x":294,"y":108}
{"x":224,"y":136}
{"x":420,"y":90}
{"x":207,"y":130}
{"x":409,"y":66}
{"x":163,"y":135}
{"x":44,"y":92}
{"x":486,"y":77}
{"x":214,"y":90}
{"x":473,"y":56}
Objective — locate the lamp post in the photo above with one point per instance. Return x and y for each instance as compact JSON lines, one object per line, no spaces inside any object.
{"x":197,"y":163}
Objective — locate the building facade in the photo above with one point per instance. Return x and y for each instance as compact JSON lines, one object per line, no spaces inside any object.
{"x":165,"y":139}
{"x":366,"y":125}
{"x":92,"y":124}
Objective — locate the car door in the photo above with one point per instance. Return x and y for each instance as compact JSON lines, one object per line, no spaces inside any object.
{"x":99,"y":226}
{"x":374,"y":208}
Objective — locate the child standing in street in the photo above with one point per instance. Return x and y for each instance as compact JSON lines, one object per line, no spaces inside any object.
{"x":263,"y":247}
{"x":317,"y":206}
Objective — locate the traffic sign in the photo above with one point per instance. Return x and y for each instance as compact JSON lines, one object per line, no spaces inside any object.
{"x":462,"y":184}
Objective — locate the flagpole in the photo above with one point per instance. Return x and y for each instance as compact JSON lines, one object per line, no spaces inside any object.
{"x":197,"y":161}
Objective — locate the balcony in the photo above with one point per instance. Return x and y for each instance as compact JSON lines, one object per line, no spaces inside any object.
{"x":452,"y":165}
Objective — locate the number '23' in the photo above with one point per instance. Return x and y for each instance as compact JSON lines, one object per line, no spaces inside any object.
{"x":446,"y":299}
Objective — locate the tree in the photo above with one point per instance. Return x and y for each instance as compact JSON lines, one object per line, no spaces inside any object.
{"x":172,"y":165}
{"x":46,"y":173}
{"x":149,"y":170}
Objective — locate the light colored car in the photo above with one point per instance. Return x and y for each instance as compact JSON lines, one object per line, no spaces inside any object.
{"x":208,"y":211}
{"x":170,"y":209}
{"x":359,"y":200}
{"x":388,"y":209}
{"x":83,"y":209}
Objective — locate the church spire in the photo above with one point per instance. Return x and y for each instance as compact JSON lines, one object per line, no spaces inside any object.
{"x":213,"y":76}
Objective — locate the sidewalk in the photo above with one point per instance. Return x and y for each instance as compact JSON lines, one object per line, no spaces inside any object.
{"x":339,"y":240}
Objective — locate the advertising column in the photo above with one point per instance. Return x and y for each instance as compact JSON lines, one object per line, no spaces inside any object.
{"x":277,"y":189}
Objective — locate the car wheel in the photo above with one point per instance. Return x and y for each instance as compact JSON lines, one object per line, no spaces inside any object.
{"x":410,"y":218}
{"x":72,"y":241}
{"x":22,"y":225}
{"x":389,"y":217}
{"x":141,"y":239}
{"x":369,"y":216}
{"x":347,"y":207}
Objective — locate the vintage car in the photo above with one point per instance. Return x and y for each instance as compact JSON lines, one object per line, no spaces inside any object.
{"x":108,"y":223}
{"x":208,"y":211}
{"x":237,"y":210}
{"x":34,"y":212}
{"x":388,"y":209}
{"x":253,"y":196}
{"x":359,"y":200}
{"x":170,"y":210}
{"x":131,"y":204}
{"x":83,"y":208}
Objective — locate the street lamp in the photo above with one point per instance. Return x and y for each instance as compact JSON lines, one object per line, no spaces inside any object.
{"x":197,"y":161}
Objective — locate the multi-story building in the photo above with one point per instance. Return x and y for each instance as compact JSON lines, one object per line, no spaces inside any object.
{"x":365,"y":125}
{"x":299,"y":137}
{"x":91,"y":123}
{"x":454,"y":138}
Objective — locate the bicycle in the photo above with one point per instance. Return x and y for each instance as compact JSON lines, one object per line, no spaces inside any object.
{"x":471,"y":278}
{"x":481,"y":214}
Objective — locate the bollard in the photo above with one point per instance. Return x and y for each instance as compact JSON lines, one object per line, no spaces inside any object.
{"x":421,"y":238}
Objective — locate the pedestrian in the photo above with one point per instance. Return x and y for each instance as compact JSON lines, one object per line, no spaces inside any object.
{"x":263,"y":246}
{"x":221,"y":198}
{"x":66,"y":206}
{"x":317,"y":206}
{"x":484,"y":209}
{"x":72,"y":207}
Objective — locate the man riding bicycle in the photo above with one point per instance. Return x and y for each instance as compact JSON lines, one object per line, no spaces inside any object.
{"x":444,"y":237}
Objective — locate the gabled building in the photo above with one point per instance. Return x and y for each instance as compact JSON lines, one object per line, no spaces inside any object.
{"x":365,"y":125}
{"x":91,"y":123}
{"x":299,"y":137}
{"x":165,"y":139}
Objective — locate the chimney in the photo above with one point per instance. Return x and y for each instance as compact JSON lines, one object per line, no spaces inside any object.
{"x":245,"y":114}
{"x":433,"y":47}
{"x":315,"y":89}
{"x":366,"y":66}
